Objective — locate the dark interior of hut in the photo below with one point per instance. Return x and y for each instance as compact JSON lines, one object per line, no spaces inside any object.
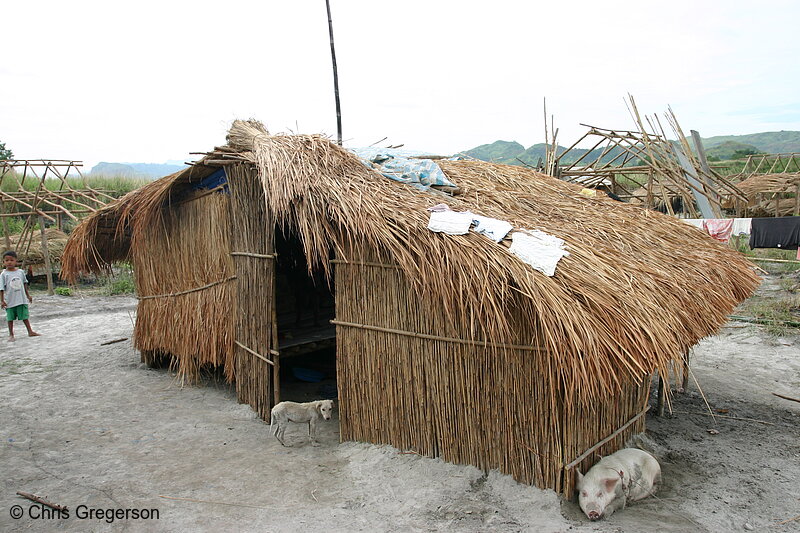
{"x":306,"y":338}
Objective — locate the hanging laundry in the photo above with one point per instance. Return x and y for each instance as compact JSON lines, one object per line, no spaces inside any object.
{"x":776,"y":232}
{"x":493,"y":228}
{"x":450,"y":222}
{"x":696,"y":222}
{"x":538,"y":249}
{"x":719,"y":228}
{"x":741,"y":226}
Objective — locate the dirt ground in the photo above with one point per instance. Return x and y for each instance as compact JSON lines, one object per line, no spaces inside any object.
{"x":89,"y":427}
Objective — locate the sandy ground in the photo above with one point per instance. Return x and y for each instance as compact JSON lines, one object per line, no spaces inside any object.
{"x":88,"y":425}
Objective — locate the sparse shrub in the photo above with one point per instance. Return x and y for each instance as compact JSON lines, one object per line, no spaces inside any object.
{"x":121,"y":285}
{"x":63,"y":291}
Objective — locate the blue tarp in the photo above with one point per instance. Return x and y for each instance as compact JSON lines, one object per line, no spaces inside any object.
{"x":213,"y":181}
{"x":397,"y":165}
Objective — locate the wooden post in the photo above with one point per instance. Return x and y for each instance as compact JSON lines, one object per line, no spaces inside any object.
{"x":685,"y":381}
{"x":47,"y":265}
{"x":661,"y":394}
{"x":797,"y":200}
{"x":335,"y":78}
{"x":6,"y":232}
{"x":276,"y":357}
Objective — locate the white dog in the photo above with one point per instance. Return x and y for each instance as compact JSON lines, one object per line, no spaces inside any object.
{"x":310,"y":412}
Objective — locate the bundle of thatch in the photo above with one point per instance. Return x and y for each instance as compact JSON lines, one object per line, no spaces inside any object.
{"x":769,"y":183}
{"x":637,"y":290}
{"x":34,"y":254}
{"x":772,"y":194}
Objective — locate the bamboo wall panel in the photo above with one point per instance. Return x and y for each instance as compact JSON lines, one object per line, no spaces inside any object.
{"x":468,"y":404}
{"x":252,"y":231}
{"x":189,"y":250}
{"x":586,"y":426}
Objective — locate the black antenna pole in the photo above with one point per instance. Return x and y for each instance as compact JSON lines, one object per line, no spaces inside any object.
{"x":335,"y":78}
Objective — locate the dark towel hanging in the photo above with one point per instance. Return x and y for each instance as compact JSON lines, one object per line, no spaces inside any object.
{"x":777,"y":232}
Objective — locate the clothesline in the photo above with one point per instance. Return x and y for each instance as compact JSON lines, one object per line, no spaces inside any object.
{"x":782,"y":233}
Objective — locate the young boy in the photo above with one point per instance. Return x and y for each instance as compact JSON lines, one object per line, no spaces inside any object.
{"x":13,"y":291}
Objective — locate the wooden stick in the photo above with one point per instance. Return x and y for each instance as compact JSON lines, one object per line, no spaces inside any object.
{"x":187,"y":292}
{"x":585,"y":454}
{"x":724,"y":416}
{"x":363,"y":263}
{"x":259,"y":256}
{"x":789,"y":520}
{"x":773,"y":260}
{"x":436,"y":337}
{"x":216,"y":503}
{"x":46,"y":252}
{"x":785,"y":397}
{"x":37,"y":499}
{"x":114,"y":341}
{"x":248,"y":350}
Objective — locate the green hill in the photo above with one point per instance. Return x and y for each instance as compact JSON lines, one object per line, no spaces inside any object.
{"x":771,"y":142}
{"x":730,"y":150}
{"x":717,"y":148}
{"x":497,"y":152}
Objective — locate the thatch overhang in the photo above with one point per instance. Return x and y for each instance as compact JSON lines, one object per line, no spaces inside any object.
{"x":106,"y":236}
{"x":637,"y":291}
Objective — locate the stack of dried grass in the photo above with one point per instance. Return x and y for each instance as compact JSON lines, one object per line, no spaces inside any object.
{"x":772,"y":194}
{"x":56,"y":242}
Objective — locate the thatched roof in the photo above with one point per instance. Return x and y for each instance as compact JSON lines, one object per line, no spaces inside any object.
{"x":637,"y":290}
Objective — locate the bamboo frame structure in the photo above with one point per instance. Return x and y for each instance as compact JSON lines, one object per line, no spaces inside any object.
{"x":648,"y":159}
{"x":770,"y":184}
{"x":446,"y":345}
{"x":44,"y":203}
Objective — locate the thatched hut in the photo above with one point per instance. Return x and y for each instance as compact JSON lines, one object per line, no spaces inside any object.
{"x":445,"y":345}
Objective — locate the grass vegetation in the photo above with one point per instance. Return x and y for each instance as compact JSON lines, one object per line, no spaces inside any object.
{"x":115,"y":186}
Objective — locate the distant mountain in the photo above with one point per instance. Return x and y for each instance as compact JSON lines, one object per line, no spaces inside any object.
{"x":135,"y":170}
{"x":513,"y":153}
{"x":771,"y":142}
{"x":498,"y":152}
{"x":717,"y":148}
{"x":729,"y":150}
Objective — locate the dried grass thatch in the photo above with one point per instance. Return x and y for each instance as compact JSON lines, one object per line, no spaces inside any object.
{"x":56,"y":242}
{"x":771,"y":194}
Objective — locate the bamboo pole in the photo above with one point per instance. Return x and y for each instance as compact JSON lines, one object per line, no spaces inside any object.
{"x":47,"y":264}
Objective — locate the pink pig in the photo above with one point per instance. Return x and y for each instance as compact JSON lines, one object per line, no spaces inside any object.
{"x":625,"y":476}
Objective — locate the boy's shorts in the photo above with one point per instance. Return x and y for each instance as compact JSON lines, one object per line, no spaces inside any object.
{"x":18,"y":312}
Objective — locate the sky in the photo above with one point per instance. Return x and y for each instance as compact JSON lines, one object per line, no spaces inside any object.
{"x":152,"y":81}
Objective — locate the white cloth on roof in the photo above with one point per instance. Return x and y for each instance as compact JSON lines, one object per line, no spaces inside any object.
{"x":741,"y":226}
{"x":458,"y":223}
{"x":493,"y":228}
{"x":538,"y":249}
{"x":450,"y":222}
